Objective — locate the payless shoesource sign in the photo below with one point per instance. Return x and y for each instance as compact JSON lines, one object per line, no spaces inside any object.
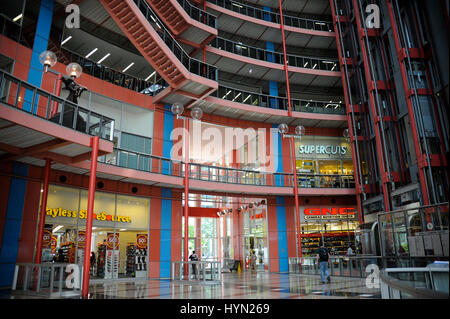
{"x":82,"y":214}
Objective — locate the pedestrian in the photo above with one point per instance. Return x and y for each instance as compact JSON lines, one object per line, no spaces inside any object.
{"x":349,"y":251}
{"x":252,"y":261}
{"x":194,"y":257}
{"x":322,"y":258}
{"x":92,"y":262}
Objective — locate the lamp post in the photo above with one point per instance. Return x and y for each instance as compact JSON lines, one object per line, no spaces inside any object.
{"x":299,"y":132}
{"x":196,"y":114}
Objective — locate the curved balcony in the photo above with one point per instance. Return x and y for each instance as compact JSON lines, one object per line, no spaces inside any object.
{"x":149,"y":35}
{"x":36,"y":125}
{"x":224,"y":178}
{"x":30,"y":99}
{"x":268,"y":101}
{"x":261,"y":14}
{"x":297,"y":61}
{"x":188,"y":23}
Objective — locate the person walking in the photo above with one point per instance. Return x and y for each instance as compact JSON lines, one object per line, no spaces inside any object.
{"x":92,"y":262}
{"x":194,"y":257}
{"x":322,"y":258}
{"x":253,"y":261}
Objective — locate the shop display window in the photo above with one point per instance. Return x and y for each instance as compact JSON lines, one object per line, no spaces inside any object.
{"x":119,"y":233}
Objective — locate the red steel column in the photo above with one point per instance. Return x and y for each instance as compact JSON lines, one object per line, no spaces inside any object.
{"x":90,"y":209}
{"x":375,"y":116}
{"x":294,"y":163}
{"x":353,"y":141}
{"x":186,"y":192}
{"x":417,"y":148}
{"x":42,"y":213}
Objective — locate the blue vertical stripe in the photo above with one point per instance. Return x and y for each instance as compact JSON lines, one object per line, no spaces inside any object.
{"x":282,"y":234}
{"x":277,"y":155}
{"x":166,"y":234}
{"x":167,"y":142}
{"x":40,"y":44}
{"x":13,"y":224}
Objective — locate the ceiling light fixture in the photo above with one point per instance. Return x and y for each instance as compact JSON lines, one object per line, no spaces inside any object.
{"x":66,"y":40}
{"x":150,"y":76}
{"x":91,"y":53}
{"x":18,"y":17}
{"x":124,"y":70}
{"x":104,"y":58}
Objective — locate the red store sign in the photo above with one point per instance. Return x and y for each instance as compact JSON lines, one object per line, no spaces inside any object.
{"x":329,"y":213}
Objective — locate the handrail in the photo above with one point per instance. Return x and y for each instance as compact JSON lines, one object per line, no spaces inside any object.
{"x":422,"y":293}
{"x":276,"y":102}
{"x":258,"y":13}
{"x":299,"y":61}
{"x":192,"y":65}
{"x":110,"y":75}
{"x":198,"y":14}
{"x":166,"y":166}
{"x":70,"y":114}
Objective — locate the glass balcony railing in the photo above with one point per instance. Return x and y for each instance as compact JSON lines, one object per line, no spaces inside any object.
{"x":263,"y":100}
{"x":274,"y":57}
{"x":198,"y":14}
{"x":259,"y":13}
{"x":192,"y":65}
{"x":160,"y":165}
{"x":31,"y":99}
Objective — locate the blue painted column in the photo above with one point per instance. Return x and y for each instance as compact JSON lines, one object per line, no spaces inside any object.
{"x":167,"y":142}
{"x":273,"y":85}
{"x":282,"y":234}
{"x":166,"y":234}
{"x":13,"y":224}
{"x":277,"y":154}
{"x":40,"y":44}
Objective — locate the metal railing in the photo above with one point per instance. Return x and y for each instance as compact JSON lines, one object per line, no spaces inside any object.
{"x":192,"y":65}
{"x":48,"y":279}
{"x":143,"y":162}
{"x":28,"y":98}
{"x":325,"y":181}
{"x":274,"y":57}
{"x":166,"y":166}
{"x":269,"y":101}
{"x":354,"y":266}
{"x":198,"y":14}
{"x":197,"y":271}
{"x":239,"y":176}
{"x":118,"y":78}
{"x":408,"y":283}
{"x":274,"y":17}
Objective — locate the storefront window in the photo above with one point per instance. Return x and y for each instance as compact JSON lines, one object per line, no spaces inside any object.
{"x":119,"y":233}
{"x":255,"y":238}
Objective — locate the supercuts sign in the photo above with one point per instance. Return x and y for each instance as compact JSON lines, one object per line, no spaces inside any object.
{"x":329,"y":212}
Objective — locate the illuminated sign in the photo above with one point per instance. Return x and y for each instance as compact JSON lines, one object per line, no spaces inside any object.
{"x":257,"y":216}
{"x":82,"y":214}
{"x":323,"y":149}
{"x":330,"y":213}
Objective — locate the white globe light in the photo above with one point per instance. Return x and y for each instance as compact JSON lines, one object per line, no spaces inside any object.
{"x":177,"y":108}
{"x":283,"y":128}
{"x":74,"y":70}
{"x":300,"y":130}
{"x":196,"y":113}
{"x":48,"y":58}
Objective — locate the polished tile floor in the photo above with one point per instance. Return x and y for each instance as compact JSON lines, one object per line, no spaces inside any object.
{"x":237,"y":286}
